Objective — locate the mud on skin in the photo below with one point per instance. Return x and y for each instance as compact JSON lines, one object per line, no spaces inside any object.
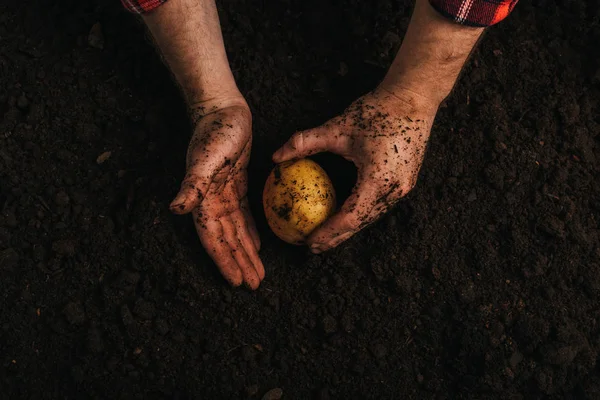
{"x":385,"y":137}
{"x":482,"y":283}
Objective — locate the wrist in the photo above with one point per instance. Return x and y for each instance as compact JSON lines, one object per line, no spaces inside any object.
{"x":215,"y":98}
{"x":210,"y":105}
{"x":407,"y":96}
{"x":418,"y":96}
{"x":199,"y":91}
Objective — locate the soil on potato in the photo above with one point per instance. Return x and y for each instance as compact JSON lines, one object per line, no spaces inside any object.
{"x":483,"y":282}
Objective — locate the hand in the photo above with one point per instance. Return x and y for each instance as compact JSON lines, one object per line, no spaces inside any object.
{"x":385,"y":135}
{"x":215,"y":186}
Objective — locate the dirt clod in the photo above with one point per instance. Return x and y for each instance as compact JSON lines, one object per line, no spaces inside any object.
{"x":96,"y":36}
{"x":74,"y":313}
{"x":329,"y":324}
{"x":273,"y":394}
{"x":61,"y":199}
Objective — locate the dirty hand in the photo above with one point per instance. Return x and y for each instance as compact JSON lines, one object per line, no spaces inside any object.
{"x":214,"y":189}
{"x":385,"y":135}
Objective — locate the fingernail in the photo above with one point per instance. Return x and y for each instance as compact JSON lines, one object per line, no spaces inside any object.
{"x":179,"y":202}
{"x":277,"y":155}
{"x":316,"y":249}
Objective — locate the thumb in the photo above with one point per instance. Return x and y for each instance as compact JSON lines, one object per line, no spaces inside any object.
{"x":194,"y":187}
{"x":358,"y":211}
{"x":305,"y":143}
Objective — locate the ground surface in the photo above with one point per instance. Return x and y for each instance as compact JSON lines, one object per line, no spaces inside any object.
{"x":483,"y":283}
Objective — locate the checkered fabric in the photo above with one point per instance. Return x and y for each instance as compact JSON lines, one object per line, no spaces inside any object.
{"x":466,"y":12}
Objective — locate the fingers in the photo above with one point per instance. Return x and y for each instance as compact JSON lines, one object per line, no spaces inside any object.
{"x":212,"y":238}
{"x":245,"y":237}
{"x":305,"y":143}
{"x":251,"y":225}
{"x":239,"y":253}
{"x":363,"y":207}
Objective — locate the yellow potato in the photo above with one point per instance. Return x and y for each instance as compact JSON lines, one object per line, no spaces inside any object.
{"x":298,"y":197}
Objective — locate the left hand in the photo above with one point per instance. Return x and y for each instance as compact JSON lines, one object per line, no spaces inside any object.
{"x":384,"y":134}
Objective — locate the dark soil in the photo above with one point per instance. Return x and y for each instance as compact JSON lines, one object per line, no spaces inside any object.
{"x":483,"y":283}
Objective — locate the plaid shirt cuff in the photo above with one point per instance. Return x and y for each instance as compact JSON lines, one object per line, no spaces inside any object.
{"x":474,"y":12}
{"x":142,"y":6}
{"x":466,"y":12}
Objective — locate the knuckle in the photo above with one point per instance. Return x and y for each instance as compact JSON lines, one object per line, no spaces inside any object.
{"x":190,"y":179}
{"x":352,"y":221}
{"x":297,"y":142}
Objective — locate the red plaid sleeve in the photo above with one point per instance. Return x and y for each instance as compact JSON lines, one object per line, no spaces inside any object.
{"x":474,"y":12}
{"x":142,"y":6}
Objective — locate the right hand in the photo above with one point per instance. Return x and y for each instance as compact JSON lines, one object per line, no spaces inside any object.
{"x":215,"y":186}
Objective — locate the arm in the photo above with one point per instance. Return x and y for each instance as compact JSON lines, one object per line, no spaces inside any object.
{"x":188,"y":34}
{"x":432,"y":55}
{"x":386,"y":131}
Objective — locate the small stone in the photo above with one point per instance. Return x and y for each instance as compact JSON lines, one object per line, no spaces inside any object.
{"x":273,"y":394}
{"x":553,"y":226}
{"x":329,"y":324}
{"x":96,"y":37}
{"x":161,"y":326}
{"x":227,"y":297}
{"x":65,"y":247}
{"x":61,"y":199}
{"x":22,"y":102}
{"x":392,"y":42}
{"x":74,"y":313}
{"x":472,"y":196}
{"x":343,"y":70}
{"x":515,"y":359}
{"x":252,"y":390}
{"x":420,"y":378}
{"x":495,"y":176}
{"x":144,"y":309}
{"x":437,"y":274}
{"x":103,"y":157}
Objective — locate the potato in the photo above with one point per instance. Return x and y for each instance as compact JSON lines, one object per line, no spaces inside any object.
{"x":298,"y":197}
